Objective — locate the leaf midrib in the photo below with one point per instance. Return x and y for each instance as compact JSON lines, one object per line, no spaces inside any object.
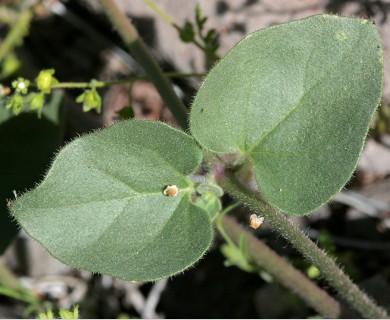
{"x":157,"y":233}
{"x":299,"y":101}
{"x":136,"y":146}
{"x":87,"y":203}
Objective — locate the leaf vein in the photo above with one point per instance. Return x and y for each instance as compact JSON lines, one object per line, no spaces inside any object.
{"x":299,"y":101}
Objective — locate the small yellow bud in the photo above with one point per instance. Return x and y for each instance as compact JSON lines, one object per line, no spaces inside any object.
{"x":171,"y":191}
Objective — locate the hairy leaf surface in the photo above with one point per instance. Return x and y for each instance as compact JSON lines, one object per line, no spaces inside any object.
{"x":102,"y":207}
{"x":296,"y":100}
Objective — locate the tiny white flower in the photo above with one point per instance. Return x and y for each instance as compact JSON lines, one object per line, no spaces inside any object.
{"x":255,"y":221}
{"x":21,"y":85}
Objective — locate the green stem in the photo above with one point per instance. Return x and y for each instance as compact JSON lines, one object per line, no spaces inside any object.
{"x":328,"y":268}
{"x":169,"y":20}
{"x":262,"y":256}
{"x":219,"y":224}
{"x":7,"y":15}
{"x":7,"y":279}
{"x":142,"y":54}
{"x":16,"y":34}
{"x":161,"y":13}
{"x":101,"y":84}
{"x":11,"y":287}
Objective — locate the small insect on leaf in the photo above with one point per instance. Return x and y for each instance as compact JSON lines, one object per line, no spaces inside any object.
{"x":255,"y":221}
{"x":171,"y":191}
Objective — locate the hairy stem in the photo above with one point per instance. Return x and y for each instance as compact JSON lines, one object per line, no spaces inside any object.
{"x":142,"y":54}
{"x":328,"y":268}
{"x":262,"y":256}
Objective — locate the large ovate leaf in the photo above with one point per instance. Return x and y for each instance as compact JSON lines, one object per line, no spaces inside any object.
{"x":102,"y":205}
{"x":296,"y":100}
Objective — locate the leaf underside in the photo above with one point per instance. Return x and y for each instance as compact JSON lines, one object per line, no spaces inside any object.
{"x":296,"y":100}
{"x":102,"y":208}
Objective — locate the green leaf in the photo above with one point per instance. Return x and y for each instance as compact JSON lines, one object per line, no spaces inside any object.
{"x":296,"y":100}
{"x":48,"y":315}
{"x":208,"y":39}
{"x":36,"y":103}
{"x":27,"y":146}
{"x":209,"y":202}
{"x":200,"y":21}
{"x":187,"y":32}
{"x":10,"y":65}
{"x":75,"y":312}
{"x":235,"y":257}
{"x":210,"y":187}
{"x":102,"y":206}
{"x":15,"y":104}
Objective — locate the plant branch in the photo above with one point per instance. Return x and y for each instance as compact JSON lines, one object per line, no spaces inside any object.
{"x":17,"y":33}
{"x":328,"y":268}
{"x":101,"y":84}
{"x":142,"y":54}
{"x":262,"y":256}
{"x":169,"y":20}
{"x":161,"y":13}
